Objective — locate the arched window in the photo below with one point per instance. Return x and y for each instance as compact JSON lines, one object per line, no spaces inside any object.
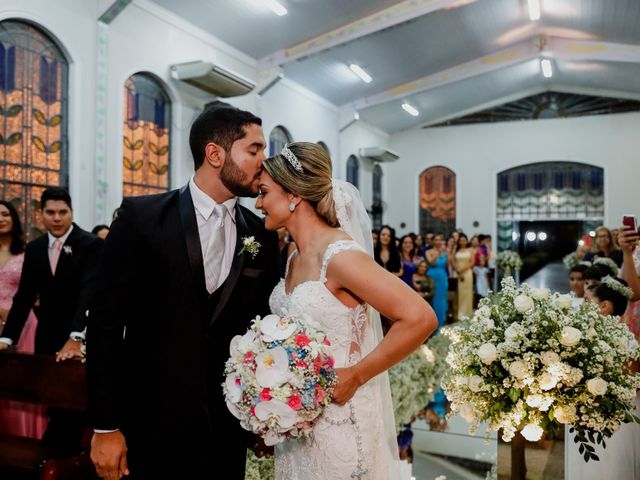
{"x":324,"y":147}
{"x":278,"y":138}
{"x":377,"y":203}
{"x":33,"y":118}
{"x":146,"y":136}
{"x":353,"y":171}
{"x":437,"y":200}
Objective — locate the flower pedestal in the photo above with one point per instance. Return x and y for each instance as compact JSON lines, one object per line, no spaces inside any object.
{"x":522,"y":460}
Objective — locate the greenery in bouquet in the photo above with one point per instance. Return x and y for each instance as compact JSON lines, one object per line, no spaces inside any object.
{"x":526,"y":362}
{"x":415,"y":380}
{"x":508,"y":261}
{"x":279,"y":377}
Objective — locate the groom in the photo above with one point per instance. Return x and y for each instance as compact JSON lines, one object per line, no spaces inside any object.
{"x":174,"y":287}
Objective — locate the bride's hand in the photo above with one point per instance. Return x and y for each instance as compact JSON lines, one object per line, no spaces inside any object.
{"x":348,"y":383}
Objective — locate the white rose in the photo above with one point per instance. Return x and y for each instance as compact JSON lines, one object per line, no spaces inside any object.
{"x":488,"y":323}
{"x":475,"y":383}
{"x":565,"y":414}
{"x":518,"y":369}
{"x":467,"y":413}
{"x":512,"y":331}
{"x":540,"y":293}
{"x":534,"y":401}
{"x":563,"y":301}
{"x":570,"y":337}
{"x":547,"y":381}
{"x":549,"y":358}
{"x":484,"y":312}
{"x":487,"y":353}
{"x":532,"y":432}
{"x":597,"y":386}
{"x":523,"y":303}
{"x":461,"y":381}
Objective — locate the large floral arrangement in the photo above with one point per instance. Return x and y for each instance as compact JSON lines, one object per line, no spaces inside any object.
{"x":415,"y":380}
{"x":279,"y":377}
{"x":526,"y":362}
{"x":508,"y":260}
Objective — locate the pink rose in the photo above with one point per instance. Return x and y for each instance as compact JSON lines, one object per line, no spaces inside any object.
{"x":248,"y":358}
{"x":319,"y":394}
{"x":301,"y":364}
{"x":265,"y":394}
{"x":302,"y":340}
{"x":295,"y":402}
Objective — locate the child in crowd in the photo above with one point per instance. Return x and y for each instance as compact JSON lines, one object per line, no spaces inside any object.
{"x":593,"y":274}
{"x":482,"y":278}
{"x":611,"y":295}
{"x":576,"y":284}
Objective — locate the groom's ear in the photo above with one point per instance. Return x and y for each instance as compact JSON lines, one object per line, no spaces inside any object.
{"x":214,"y":155}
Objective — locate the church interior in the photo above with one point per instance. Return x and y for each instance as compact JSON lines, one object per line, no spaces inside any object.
{"x":470,"y":127}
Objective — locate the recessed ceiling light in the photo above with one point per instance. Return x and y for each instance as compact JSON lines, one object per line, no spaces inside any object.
{"x":547,"y":71}
{"x":410,"y":109}
{"x":275,"y":7}
{"x":534,"y":10}
{"x":356,"y":116}
{"x":358,"y":70}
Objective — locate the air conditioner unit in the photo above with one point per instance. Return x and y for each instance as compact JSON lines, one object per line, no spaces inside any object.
{"x":212,"y":79}
{"x":378,"y":154}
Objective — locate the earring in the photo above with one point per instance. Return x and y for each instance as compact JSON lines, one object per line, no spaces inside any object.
{"x":292,"y":207}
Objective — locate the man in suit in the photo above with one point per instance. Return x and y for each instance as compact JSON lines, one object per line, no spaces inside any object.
{"x":59,"y":269}
{"x":174,"y":288}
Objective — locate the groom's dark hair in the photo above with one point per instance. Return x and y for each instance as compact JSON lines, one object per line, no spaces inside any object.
{"x":219,"y":123}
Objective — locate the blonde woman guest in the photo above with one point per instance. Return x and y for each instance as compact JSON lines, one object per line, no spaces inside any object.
{"x":333,"y":278}
{"x":463,"y":263}
{"x":604,"y":246}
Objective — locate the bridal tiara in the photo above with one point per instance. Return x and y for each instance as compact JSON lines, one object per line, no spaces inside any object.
{"x":291,"y":158}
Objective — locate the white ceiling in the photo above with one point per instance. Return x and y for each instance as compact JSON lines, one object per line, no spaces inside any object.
{"x":435,"y":43}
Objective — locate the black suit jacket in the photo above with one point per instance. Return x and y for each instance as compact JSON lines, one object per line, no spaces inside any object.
{"x":161,"y":383}
{"x":64,"y":297}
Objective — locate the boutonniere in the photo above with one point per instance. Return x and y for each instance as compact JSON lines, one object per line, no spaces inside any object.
{"x":250,"y":246}
{"x":67,"y":249}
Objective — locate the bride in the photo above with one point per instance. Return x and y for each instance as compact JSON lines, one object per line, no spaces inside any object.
{"x":332,"y":277}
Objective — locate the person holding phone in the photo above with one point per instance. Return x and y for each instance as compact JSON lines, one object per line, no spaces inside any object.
{"x":604,"y":246}
{"x":628,"y":239}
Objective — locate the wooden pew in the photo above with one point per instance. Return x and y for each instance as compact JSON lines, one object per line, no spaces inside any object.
{"x":39,"y":379}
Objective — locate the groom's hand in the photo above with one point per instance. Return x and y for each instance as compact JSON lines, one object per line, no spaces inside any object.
{"x":109,"y":455}
{"x":348,"y":383}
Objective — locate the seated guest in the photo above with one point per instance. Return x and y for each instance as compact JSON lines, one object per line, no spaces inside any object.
{"x":59,"y":269}
{"x":16,"y":418}
{"x":422,"y":283}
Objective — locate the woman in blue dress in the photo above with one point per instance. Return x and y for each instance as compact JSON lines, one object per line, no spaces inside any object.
{"x":437,"y":259}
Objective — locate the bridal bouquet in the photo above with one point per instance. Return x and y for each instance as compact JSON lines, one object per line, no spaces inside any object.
{"x":508,"y":260}
{"x":279,"y":377}
{"x":526,"y":362}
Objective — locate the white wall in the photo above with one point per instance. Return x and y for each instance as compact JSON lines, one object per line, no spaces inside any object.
{"x":476,"y":153}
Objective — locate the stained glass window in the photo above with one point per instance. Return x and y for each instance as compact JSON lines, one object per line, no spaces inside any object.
{"x":147,"y":130}
{"x":278,"y":138}
{"x":33,"y":119}
{"x":377,"y":206}
{"x":353,"y":169}
{"x":437,"y":200}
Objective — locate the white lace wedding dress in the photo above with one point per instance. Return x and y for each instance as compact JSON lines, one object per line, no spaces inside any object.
{"x":347,"y":442}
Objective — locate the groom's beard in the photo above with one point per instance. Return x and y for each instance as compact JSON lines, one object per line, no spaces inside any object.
{"x":236,"y":181}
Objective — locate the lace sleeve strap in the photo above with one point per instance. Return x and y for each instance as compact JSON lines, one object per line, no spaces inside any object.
{"x":333,"y":249}
{"x":291,"y":255}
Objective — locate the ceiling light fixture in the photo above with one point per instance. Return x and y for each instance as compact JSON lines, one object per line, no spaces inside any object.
{"x":410,"y":109}
{"x":356,"y":116}
{"x":358,"y":70}
{"x":275,"y":7}
{"x":534,"y":10}
{"x":547,"y":71}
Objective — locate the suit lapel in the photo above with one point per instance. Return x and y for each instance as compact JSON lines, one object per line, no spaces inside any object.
{"x":236,"y":267}
{"x":65,"y":258}
{"x":191,"y":236}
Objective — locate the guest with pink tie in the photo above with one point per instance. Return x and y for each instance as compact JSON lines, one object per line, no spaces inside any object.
{"x":16,"y":418}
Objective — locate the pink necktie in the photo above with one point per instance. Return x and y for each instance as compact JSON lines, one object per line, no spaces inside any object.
{"x":57,"y":248}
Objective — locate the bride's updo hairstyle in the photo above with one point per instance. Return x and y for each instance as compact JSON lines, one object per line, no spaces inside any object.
{"x":309,"y":178}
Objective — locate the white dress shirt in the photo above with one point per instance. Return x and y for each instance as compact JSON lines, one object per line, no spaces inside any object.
{"x":204,"y":205}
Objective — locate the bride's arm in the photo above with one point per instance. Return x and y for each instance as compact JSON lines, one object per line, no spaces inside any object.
{"x":413,"y":319}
